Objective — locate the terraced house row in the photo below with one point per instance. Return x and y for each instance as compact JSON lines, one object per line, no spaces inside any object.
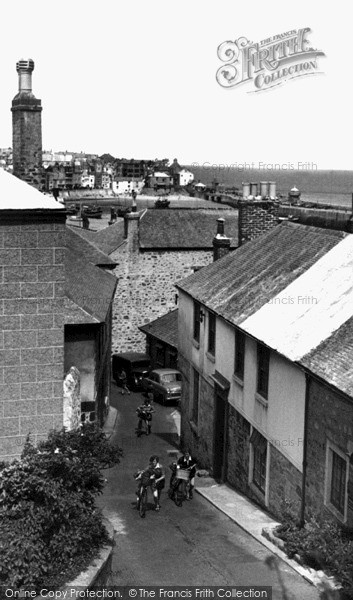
{"x":265,"y":340}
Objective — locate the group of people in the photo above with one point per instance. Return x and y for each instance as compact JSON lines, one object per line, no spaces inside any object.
{"x":153,"y":476}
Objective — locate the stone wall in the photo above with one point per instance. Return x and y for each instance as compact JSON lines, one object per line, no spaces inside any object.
{"x":284,"y":479}
{"x":255,"y":218}
{"x":198,"y":438}
{"x":146,"y":289}
{"x":285,"y":484}
{"x":238,"y":450}
{"x":330,"y":417}
{"x":31,"y":330}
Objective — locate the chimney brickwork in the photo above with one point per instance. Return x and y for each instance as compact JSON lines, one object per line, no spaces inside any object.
{"x":257,"y":213}
{"x":256,"y":217}
{"x":27,"y":128}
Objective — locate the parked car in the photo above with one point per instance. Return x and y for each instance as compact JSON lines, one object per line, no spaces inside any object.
{"x":164,"y":384}
{"x":135,"y":364}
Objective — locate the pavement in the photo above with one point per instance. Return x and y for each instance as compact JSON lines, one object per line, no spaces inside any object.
{"x":245,"y":513}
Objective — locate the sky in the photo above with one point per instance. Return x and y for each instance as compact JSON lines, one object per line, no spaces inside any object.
{"x":138,"y":80}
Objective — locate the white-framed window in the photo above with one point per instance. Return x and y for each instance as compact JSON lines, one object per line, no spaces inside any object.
{"x":336,"y":481}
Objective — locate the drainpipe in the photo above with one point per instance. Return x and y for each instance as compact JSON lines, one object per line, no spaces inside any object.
{"x":305,"y":447}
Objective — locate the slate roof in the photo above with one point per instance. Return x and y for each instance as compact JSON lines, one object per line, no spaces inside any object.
{"x":332,"y":359}
{"x":292,"y":289}
{"x":107,"y":239}
{"x":236,"y":286}
{"x":77,"y":242}
{"x":164,"y":328}
{"x":185,"y":228}
{"x":90,"y":288}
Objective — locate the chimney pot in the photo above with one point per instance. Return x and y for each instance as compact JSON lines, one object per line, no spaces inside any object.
{"x":246,"y":190}
{"x":221,"y":243}
{"x":220,"y":226}
{"x":24,"y":69}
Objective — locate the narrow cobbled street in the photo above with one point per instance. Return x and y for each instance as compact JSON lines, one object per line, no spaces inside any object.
{"x":192,"y":545}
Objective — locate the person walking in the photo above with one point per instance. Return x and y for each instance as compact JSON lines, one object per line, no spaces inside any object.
{"x":123,"y":379}
{"x":187,"y":463}
{"x":159,"y":480}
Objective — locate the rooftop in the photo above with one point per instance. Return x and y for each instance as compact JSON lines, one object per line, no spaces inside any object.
{"x":107,"y":239}
{"x":78,"y":242}
{"x":185,"y":228}
{"x":332,"y":359}
{"x":89,"y":288}
{"x":164,"y":328}
{"x":292,"y":289}
{"x":19,"y":195}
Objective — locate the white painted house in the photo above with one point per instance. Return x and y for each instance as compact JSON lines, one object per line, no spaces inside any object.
{"x":247,"y":324}
{"x":185,"y":177}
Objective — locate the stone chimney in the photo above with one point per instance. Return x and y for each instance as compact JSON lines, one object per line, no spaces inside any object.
{"x":27,"y":128}
{"x":257,"y":214}
{"x":221,"y":243}
{"x":131,"y":230}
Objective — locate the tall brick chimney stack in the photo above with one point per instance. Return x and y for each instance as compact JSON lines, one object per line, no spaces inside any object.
{"x":221,"y":243}
{"x":257,"y":213}
{"x":27,"y":128}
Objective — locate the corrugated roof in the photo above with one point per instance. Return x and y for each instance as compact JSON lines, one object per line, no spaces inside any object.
{"x":164,"y":328}
{"x":90,"y":288}
{"x":183,"y":229}
{"x":239,"y":284}
{"x":332,"y":359}
{"x":16,"y":194}
{"x":75,"y":241}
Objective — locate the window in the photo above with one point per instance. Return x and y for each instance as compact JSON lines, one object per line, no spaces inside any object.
{"x":211,"y":333}
{"x":263,"y":364}
{"x":197,"y":309}
{"x":170,"y":377}
{"x":338,"y":482}
{"x":259,"y":446}
{"x":195,"y":396}
{"x":239,"y":354}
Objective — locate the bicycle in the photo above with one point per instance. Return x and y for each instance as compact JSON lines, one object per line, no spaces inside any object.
{"x":179,"y":489}
{"x":145,"y":417}
{"x":146,"y":478}
{"x":142,"y":501}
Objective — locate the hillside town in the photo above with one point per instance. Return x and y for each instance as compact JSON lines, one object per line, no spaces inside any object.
{"x":250,"y":301}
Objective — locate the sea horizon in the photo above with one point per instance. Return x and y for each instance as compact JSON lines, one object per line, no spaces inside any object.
{"x":321,"y":186}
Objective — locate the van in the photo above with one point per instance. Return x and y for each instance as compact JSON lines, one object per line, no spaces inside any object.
{"x":136,"y":366}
